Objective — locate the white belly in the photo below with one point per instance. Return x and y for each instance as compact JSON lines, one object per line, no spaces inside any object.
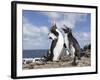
{"x":72,"y":49}
{"x":66,"y":41}
{"x":57,"y":51}
{"x":58,"y":48}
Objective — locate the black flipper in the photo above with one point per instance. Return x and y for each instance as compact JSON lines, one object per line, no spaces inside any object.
{"x":50,"y":54}
{"x":65,"y":45}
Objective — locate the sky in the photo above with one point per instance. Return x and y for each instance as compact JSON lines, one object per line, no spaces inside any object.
{"x":37,"y":24}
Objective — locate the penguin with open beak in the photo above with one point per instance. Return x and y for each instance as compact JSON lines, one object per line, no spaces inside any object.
{"x":72,"y":44}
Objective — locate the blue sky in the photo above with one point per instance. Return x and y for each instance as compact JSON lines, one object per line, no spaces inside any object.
{"x":36,"y":26}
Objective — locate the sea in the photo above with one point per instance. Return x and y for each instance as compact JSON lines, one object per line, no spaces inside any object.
{"x":34,"y":53}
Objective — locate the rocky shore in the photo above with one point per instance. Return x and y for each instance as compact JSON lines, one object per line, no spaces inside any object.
{"x":64,"y":62}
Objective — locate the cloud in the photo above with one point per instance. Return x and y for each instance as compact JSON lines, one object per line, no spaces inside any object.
{"x":52,"y":15}
{"x":34,"y":37}
{"x":69,"y":19}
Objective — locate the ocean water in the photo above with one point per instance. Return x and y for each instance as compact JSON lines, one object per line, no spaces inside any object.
{"x":34,"y":53}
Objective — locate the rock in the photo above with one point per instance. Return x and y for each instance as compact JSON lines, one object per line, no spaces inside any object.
{"x":65,"y":62}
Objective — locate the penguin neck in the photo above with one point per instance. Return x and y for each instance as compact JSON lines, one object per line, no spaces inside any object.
{"x":60,"y":37}
{"x":66,"y":40}
{"x":66,"y":36}
{"x":70,"y":35}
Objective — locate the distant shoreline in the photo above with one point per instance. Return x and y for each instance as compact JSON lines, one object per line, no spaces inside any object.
{"x":34,"y":53}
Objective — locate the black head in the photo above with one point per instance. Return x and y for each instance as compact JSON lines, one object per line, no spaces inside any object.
{"x":53,"y":33}
{"x":54,"y":27}
{"x":66,"y":29}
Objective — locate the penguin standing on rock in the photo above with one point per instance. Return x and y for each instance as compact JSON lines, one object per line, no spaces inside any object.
{"x":72,"y":44}
{"x":56,"y":47}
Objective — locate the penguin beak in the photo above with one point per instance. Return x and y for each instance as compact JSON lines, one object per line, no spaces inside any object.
{"x":66,"y":27}
{"x":63,"y":29}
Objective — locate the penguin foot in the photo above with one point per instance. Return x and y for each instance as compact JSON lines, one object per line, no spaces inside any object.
{"x":79,"y":58}
{"x":74,"y":63}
